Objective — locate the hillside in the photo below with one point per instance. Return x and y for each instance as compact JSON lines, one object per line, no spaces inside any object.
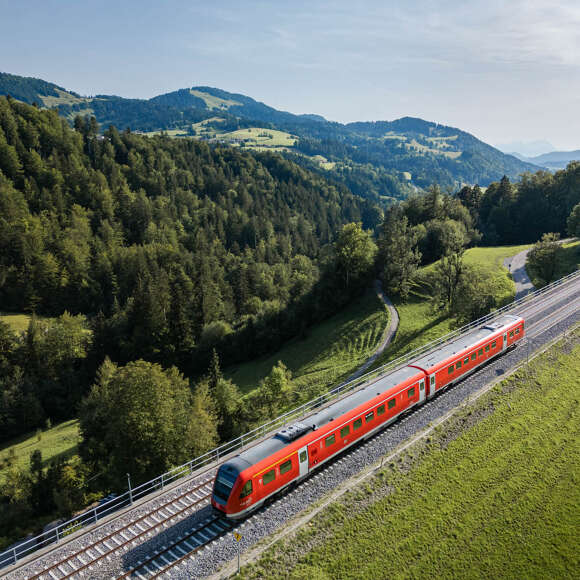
{"x":378,"y":160}
{"x":556,"y":159}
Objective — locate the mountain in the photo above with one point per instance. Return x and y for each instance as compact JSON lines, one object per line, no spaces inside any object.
{"x":381,"y":160}
{"x":526,"y":149}
{"x":556,"y":159}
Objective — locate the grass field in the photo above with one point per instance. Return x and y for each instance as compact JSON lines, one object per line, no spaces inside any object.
{"x":213,"y":102}
{"x":61,"y":440}
{"x":260,"y":137}
{"x":18,"y":322}
{"x":570,"y":259}
{"x":419,"y":324}
{"x":493,"y":494}
{"x":330,"y":352}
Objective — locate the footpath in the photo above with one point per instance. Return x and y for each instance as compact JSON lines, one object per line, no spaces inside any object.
{"x":388,"y":334}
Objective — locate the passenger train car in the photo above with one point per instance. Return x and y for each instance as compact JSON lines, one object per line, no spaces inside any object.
{"x":245,"y":482}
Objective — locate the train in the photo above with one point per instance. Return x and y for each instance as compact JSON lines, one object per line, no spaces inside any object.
{"x":245,"y":482}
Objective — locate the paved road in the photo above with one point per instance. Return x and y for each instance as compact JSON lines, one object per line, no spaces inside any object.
{"x":517,"y":266}
{"x":388,"y":334}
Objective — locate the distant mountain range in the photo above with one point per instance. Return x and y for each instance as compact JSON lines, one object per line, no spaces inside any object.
{"x":527,"y":149}
{"x":552,"y":160}
{"x":379,"y":160}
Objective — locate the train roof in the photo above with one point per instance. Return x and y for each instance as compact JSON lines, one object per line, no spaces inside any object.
{"x":464,"y":342}
{"x":284,"y":437}
{"x":362,"y":396}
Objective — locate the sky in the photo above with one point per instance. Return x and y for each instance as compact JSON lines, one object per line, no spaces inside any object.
{"x":506,"y":71}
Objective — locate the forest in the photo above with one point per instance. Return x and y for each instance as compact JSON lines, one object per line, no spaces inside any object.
{"x":149,"y":263}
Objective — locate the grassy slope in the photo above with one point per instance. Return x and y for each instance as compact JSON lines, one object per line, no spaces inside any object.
{"x":494,"y":494}
{"x":330,"y":352}
{"x":18,"y":322}
{"x":419,"y":324}
{"x":61,"y":440}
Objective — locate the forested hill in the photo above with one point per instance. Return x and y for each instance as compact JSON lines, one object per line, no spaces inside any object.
{"x":172,"y":246}
{"x":379,"y":160}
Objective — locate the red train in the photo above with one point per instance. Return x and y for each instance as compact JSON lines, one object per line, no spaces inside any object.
{"x":243,"y":483}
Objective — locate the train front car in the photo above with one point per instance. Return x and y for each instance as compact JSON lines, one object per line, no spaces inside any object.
{"x":228,"y":485}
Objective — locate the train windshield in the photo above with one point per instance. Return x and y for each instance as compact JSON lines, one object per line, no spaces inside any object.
{"x":224,"y":482}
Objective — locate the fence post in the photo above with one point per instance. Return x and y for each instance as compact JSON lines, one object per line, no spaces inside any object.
{"x":162,"y":480}
{"x":14,"y":554}
{"x":95,"y":513}
{"x":130,"y":490}
{"x":57,"y":535}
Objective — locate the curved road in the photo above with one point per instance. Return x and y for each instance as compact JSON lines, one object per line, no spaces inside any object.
{"x":517,"y":268}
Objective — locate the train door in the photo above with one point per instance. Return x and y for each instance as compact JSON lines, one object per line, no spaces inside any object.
{"x":303,"y":460}
{"x":432,"y":386}
{"x":504,"y":346}
{"x":421,"y":390}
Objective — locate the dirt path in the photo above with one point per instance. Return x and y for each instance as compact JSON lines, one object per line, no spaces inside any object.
{"x":388,"y":334}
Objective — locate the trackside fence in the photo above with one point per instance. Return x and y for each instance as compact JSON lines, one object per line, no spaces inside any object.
{"x":212,"y":458}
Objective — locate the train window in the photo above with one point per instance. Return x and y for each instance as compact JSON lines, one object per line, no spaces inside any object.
{"x":357,"y":424}
{"x":466,"y":360}
{"x":392,"y":403}
{"x":286,"y":466}
{"x":269,"y":476}
{"x":487,"y":348}
{"x":517,"y":330}
{"x":480,"y":352}
{"x":302,"y":456}
{"x":493,"y":344}
{"x":473,"y":355}
{"x":381,"y":410}
{"x":432,"y":380}
{"x":330,"y":440}
{"x":345,"y":431}
{"x":246,"y":490}
{"x":369,"y":416}
{"x":411,"y":392}
{"x":451,"y":369}
{"x":458,"y":365}
{"x":511,"y":333}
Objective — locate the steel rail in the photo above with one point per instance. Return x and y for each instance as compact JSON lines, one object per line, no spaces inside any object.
{"x":151,"y":561}
{"x":56,"y":568}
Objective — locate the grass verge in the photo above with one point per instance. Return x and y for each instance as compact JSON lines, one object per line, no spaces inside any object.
{"x":60,"y":441}
{"x":494,"y":493}
{"x":331,"y":351}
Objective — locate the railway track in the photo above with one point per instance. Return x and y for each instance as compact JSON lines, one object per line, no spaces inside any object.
{"x":184,"y":547}
{"x":129,"y":535}
{"x":542,"y":314}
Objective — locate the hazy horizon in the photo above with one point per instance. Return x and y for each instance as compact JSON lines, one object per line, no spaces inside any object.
{"x":503,"y":73}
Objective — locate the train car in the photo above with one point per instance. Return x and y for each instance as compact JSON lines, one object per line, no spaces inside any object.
{"x":245,"y":482}
{"x":462,"y":356}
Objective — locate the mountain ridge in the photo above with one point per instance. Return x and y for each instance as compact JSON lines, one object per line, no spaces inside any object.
{"x":381,"y":160}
